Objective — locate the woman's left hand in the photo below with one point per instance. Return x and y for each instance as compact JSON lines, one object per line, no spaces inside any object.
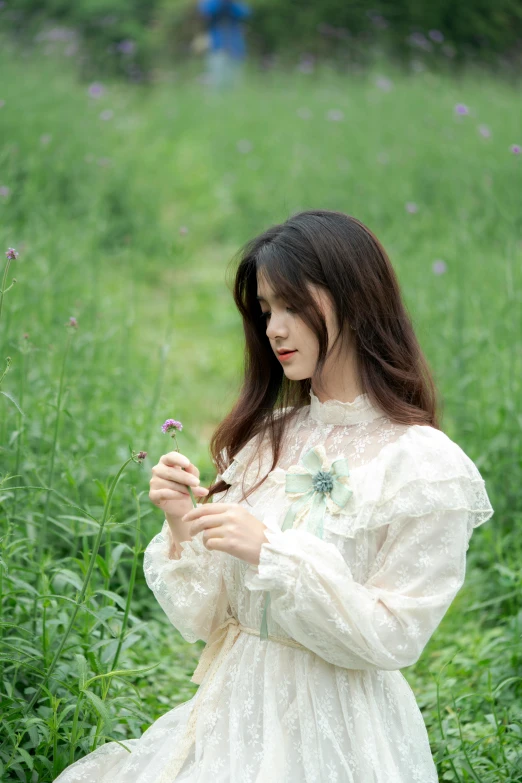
{"x":228,"y":527}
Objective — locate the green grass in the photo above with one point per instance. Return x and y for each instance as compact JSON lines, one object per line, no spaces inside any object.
{"x":95,"y":214}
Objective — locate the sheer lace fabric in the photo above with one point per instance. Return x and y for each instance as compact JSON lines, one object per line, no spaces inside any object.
{"x":363,"y":600}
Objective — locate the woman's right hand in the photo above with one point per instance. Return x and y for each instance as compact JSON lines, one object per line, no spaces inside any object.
{"x":169,"y":484}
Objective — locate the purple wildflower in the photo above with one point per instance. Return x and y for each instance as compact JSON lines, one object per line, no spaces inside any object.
{"x":484,"y":131}
{"x":170,"y":425}
{"x":461,"y":109}
{"x":96,"y":90}
{"x":11,"y":254}
{"x":73,"y":322}
{"x":436,"y":36}
{"x":516,"y":149}
{"x":439,"y":267}
{"x":411,"y":207}
{"x":127,"y":46}
{"x":4,"y":191}
{"x":141,"y":455}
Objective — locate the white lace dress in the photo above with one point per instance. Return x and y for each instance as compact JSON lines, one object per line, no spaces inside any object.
{"x":353,"y":598}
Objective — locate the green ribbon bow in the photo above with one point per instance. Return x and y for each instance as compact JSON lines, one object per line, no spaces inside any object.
{"x":315,"y":487}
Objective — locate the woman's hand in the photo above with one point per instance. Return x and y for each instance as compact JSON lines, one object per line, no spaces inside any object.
{"x":228,"y":527}
{"x":171,"y":478}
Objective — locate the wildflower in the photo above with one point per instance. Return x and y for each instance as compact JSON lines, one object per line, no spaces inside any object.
{"x":436,"y":36}
{"x":439,"y":267}
{"x":171,"y":424}
{"x":73,"y":322}
{"x":4,"y":191}
{"x":96,"y":90}
{"x":170,"y":427}
{"x":411,"y":207}
{"x":461,"y":109}
{"x":142,"y":455}
{"x":484,"y":131}
{"x":11,"y":254}
{"x":516,"y":149}
{"x":183,"y":230}
{"x":127,"y":46}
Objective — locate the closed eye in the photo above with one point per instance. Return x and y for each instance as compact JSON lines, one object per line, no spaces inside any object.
{"x":266,"y":314}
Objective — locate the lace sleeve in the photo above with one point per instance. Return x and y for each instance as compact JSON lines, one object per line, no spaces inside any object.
{"x":386,"y":622}
{"x":191,"y":590}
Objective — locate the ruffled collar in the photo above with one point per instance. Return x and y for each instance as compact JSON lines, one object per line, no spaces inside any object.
{"x":337,"y":412}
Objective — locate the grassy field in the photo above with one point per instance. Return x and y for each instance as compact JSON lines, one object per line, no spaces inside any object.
{"x":126,"y":211}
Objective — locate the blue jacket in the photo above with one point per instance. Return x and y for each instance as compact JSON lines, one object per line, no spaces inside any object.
{"x":224,"y":25}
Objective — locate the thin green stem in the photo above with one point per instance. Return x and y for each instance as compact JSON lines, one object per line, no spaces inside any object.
{"x":80,"y":598}
{"x":4,"y":280}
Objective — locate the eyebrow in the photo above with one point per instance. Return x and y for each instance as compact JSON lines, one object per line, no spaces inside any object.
{"x":276,"y":298}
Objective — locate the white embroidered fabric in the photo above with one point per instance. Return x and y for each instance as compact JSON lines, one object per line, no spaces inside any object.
{"x":363,"y":600}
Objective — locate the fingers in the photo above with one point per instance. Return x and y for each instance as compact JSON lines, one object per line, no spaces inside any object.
{"x":209,"y":508}
{"x":176,"y":459}
{"x":175,"y":474}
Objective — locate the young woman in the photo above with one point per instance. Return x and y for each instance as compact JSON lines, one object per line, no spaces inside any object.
{"x":335,"y":542}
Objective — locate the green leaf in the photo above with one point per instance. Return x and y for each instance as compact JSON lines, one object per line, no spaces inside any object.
{"x":10,"y":397}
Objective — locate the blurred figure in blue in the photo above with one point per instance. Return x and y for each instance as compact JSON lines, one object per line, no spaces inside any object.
{"x":227,"y":48}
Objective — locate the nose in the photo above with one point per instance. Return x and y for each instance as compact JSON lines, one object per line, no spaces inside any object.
{"x":277,"y":327}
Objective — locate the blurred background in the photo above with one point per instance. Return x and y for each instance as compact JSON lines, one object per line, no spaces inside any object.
{"x":141,"y":144}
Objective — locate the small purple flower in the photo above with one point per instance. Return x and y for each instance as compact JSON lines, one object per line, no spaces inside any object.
{"x":484,"y":131}
{"x":141,"y":455}
{"x":170,"y":425}
{"x":127,"y":46}
{"x":436,"y":36}
{"x":11,"y":254}
{"x":96,"y":90}
{"x":73,"y":322}
{"x":516,"y":149}
{"x":411,"y":207}
{"x":461,"y":109}
{"x":439,"y":267}
{"x":4,"y":191}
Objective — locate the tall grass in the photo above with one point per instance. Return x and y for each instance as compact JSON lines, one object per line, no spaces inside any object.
{"x":127,"y":225}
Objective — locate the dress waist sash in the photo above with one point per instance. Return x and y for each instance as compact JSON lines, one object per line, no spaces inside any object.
{"x":219,"y":644}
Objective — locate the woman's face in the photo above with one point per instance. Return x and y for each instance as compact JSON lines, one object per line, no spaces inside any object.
{"x":285,"y":329}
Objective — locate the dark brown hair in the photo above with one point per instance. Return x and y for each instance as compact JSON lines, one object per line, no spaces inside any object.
{"x":338,"y":253}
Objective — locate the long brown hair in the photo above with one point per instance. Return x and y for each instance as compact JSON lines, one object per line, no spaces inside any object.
{"x":340,"y":254}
